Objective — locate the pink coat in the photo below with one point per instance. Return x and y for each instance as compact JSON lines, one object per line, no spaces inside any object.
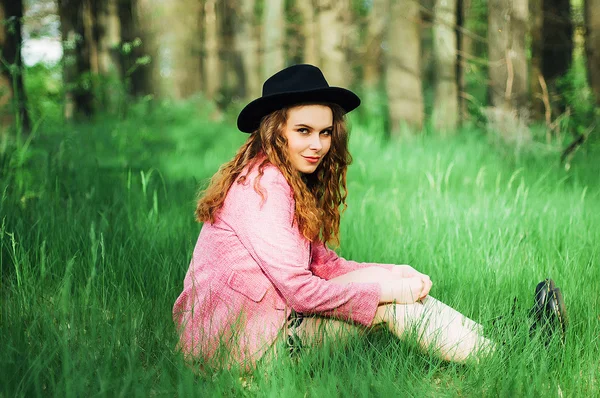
{"x":252,"y":266}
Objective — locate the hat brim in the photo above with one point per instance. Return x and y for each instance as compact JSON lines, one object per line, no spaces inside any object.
{"x":249,"y":118}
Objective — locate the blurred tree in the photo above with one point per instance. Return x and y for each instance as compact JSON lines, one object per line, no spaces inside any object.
{"x":102,"y":36}
{"x":247,"y":45}
{"x":375,"y":31}
{"x":537,"y":82}
{"x":507,"y":33}
{"x":293,"y":44}
{"x":212,"y":64}
{"x":104,"y":46}
{"x":551,"y":29}
{"x":187,"y":53}
{"x":426,"y":23}
{"x":403,"y":65}
{"x":273,"y":37}
{"x":139,"y":20}
{"x":310,"y":31}
{"x":335,"y":18}
{"x":234,"y":75}
{"x":592,"y":41}
{"x":557,"y":38}
{"x":105,"y":31}
{"x":108,"y":33}
{"x":13,"y":104}
{"x":353,"y":21}
{"x":465,"y":51}
{"x":90,"y":21}
{"x":445,"y":104}
{"x":76,"y":60}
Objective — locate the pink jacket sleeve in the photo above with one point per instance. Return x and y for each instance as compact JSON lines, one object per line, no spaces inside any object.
{"x":267,"y":230}
{"x":327,"y":264}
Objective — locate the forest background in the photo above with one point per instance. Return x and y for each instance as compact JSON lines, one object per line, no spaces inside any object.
{"x":478,"y":131}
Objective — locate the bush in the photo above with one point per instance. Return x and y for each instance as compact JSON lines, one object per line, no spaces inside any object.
{"x":45,"y":92}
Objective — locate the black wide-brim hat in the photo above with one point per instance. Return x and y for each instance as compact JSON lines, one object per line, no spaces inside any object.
{"x":296,"y":84}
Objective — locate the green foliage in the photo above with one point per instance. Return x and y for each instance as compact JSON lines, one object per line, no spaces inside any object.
{"x":476,"y":25}
{"x":373,"y":111}
{"x":43,"y":84}
{"x":97,"y":229}
{"x":578,"y":99}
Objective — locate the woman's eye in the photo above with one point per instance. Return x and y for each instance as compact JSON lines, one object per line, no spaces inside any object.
{"x":303,"y":130}
{"x":326,"y":132}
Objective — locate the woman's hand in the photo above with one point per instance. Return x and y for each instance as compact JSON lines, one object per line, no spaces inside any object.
{"x":402,"y":284}
{"x":404,"y":290}
{"x":406,"y":271}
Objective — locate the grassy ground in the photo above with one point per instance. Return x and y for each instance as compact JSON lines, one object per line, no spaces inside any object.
{"x":97,"y":229}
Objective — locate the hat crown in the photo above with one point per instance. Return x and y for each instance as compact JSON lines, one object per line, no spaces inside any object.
{"x":295,"y":78}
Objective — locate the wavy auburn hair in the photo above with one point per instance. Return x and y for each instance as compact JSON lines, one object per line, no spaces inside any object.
{"x":318,"y":196}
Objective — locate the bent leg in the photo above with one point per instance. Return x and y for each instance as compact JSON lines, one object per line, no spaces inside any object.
{"x":437,"y":325}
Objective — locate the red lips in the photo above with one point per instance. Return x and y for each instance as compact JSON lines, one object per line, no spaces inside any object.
{"x":311,"y":159}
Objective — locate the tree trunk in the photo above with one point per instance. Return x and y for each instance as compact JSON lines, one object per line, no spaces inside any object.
{"x":373,"y":57}
{"x":108,"y":29}
{"x":211,"y":50}
{"x":13,"y":103}
{"x":426,"y":22}
{"x":445,"y":106}
{"x":139,"y":54}
{"x":507,"y":54}
{"x":91,"y":33}
{"x":273,"y":36}
{"x":464,"y":46}
{"x":537,"y":81}
{"x":519,"y":30}
{"x":592,"y":45}
{"x":293,"y":43}
{"x":233,"y":77}
{"x":187,"y":48}
{"x":76,"y":60}
{"x":334,"y":17}
{"x":403,"y":66}
{"x":247,"y":44}
{"x":311,"y":31}
{"x":107,"y":36}
{"x":557,"y":38}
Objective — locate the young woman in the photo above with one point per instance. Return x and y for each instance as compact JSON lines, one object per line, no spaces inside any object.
{"x":261,"y":269}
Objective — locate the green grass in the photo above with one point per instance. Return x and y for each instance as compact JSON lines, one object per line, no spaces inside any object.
{"x":97,"y":230}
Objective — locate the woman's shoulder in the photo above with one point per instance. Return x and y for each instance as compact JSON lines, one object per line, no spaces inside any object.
{"x":257,"y":184}
{"x":246,"y":196}
{"x":269,"y":176}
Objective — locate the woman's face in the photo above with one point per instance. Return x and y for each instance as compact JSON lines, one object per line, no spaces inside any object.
{"x":308,"y":131}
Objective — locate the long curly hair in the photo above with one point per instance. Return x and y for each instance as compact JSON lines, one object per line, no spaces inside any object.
{"x":319,"y":197}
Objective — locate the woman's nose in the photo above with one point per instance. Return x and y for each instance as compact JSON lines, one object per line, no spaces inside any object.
{"x":315,"y":142}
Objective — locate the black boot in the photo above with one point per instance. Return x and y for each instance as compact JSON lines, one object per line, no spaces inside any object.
{"x":549,"y":314}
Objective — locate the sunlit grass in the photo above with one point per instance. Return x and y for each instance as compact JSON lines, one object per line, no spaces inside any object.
{"x":97,"y":229}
